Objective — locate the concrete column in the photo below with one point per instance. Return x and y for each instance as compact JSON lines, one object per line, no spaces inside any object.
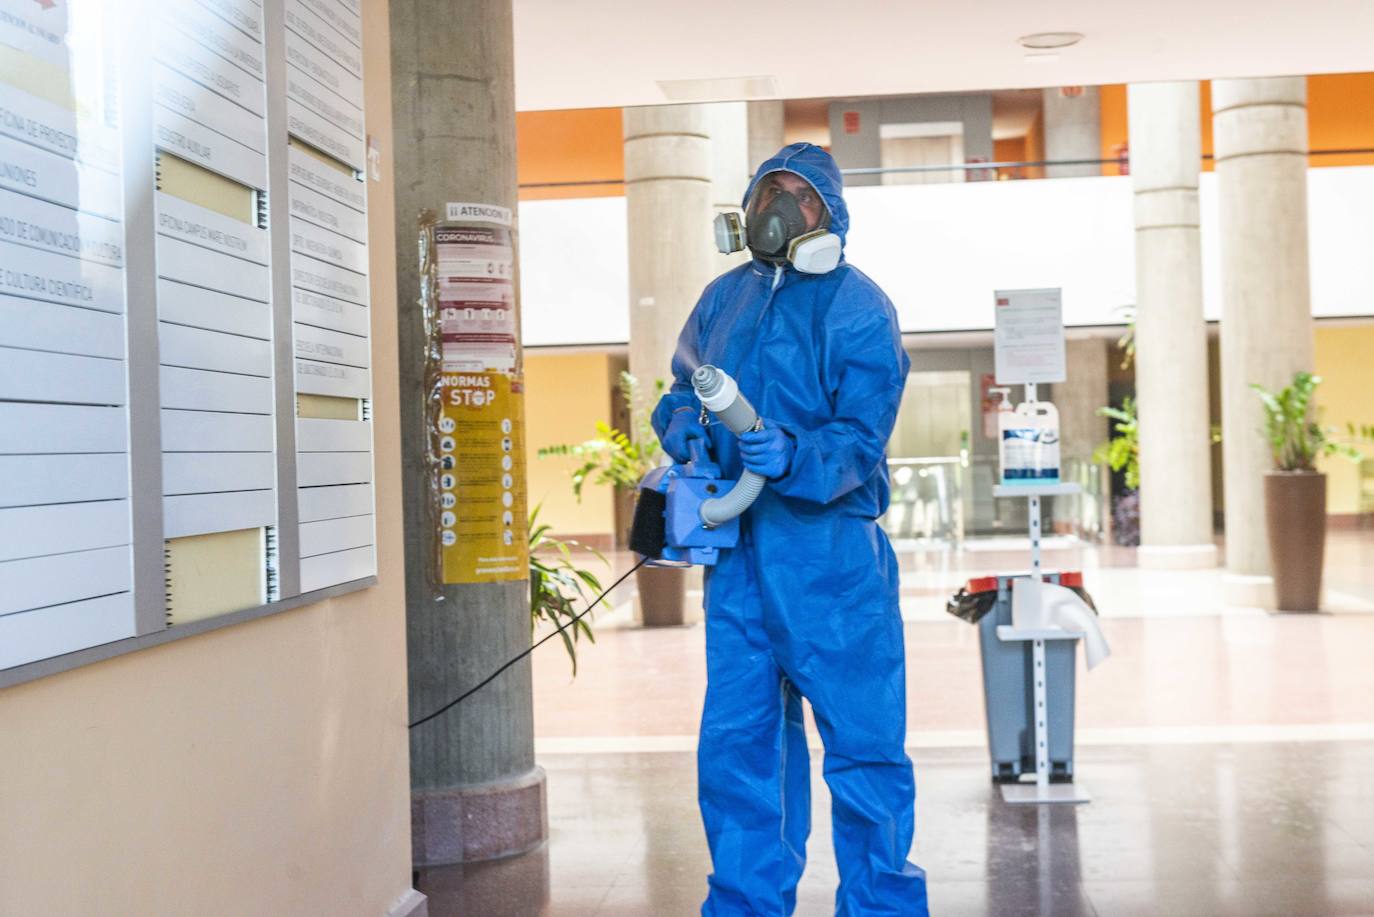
{"x":728,"y":125}
{"x":1171,"y":335}
{"x":1081,"y":428}
{"x":1073,"y":130}
{"x":476,"y":792}
{"x":668,"y":192}
{"x":766,"y":133}
{"x":1260,"y":132}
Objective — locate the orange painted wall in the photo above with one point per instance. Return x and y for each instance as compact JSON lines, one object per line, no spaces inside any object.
{"x":581,"y":145}
{"x":1340,"y":115}
{"x":1011,"y":149}
{"x":586,"y":145}
{"x":1035,"y":147}
{"x":1112,"y":117}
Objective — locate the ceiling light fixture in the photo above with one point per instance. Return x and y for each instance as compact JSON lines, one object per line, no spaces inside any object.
{"x":1048,"y":41}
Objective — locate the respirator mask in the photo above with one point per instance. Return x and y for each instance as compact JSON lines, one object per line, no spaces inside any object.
{"x":778,"y":233}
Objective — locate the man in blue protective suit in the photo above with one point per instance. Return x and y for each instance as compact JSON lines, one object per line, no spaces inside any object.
{"x":806,"y":605}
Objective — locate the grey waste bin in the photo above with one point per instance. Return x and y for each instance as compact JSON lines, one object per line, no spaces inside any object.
{"x":1008,"y":693}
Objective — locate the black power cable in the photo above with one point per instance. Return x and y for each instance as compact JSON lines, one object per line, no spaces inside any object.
{"x":534,"y":646}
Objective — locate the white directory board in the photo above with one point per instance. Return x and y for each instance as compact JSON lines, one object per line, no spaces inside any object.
{"x":1028,"y":336}
{"x":65,"y":524}
{"x":185,"y":356}
{"x":330,"y":297}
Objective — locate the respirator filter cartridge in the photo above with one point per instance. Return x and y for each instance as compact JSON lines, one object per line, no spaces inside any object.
{"x":730,"y":235}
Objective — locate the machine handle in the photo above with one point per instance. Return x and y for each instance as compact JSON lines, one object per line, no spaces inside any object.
{"x":696,"y":450}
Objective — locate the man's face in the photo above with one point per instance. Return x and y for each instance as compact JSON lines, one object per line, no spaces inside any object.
{"x":812,"y":207}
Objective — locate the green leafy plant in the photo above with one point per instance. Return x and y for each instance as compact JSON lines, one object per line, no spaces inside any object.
{"x":556,"y":583}
{"x":1295,"y":437}
{"x":1122,"y":451}
{"x":613,"y":456}
{"x":1126,"y":343}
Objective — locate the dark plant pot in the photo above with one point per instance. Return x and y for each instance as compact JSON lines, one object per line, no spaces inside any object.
{"x":662,"y":595}
{"x":1295,"y":511}
{"x":1126,"y":519}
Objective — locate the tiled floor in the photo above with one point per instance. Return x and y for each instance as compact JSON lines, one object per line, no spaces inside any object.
{"x":1229,"y":753}
{"x":1180,"y":830}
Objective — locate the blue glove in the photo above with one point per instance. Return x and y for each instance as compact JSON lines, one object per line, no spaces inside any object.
{"x":767,"y":452}
{"x":682,"y":429}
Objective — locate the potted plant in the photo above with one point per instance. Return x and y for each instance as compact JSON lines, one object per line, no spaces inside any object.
{"x":555,"y":581}
{"x":1121,"y":453}
{"x":619,"y":459}
{"x":1295,"y":491}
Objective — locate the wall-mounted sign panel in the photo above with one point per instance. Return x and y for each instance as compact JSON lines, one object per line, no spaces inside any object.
{"x":59,"y":229}
{"x":196,"y":143}
{"x":199,"y":24}
{"x":328,"y":280}
{"x":331,"y":181}
{"x":197,"y":62}
{"x":330,"y":379}
{"x":28,"y":119}
{"x":305,"y":23}
{"x":347,"y":23}
{"x":208,"y":109}
{"x":153,"y":143}
{"x":244,"y":15}
{"x":50,"y":177}
{"x":332,"y":347}
{"x":36,"y":325}
{"x":309,"y":239}
{"x":35,"y":274}
{"x":179,"y":219}
{"x":310,"y":60}
{"x":325,"y":136}
{"x":327,"y":312}
{"x":197,"y":307}
{"x":315,"y":208}
{"x":187,"y":263}
{"x":326,"y":105}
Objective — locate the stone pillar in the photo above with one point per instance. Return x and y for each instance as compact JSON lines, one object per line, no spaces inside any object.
{"x":476,"y":792}
{"x":1171,"y":335}
{"x":1260,"y":131}
{"x":728,"y":125}
{"x":766,"y":134}
{"x":668,"y":210}
{"x":1073,"y":130}
{"x":1081,"y":428}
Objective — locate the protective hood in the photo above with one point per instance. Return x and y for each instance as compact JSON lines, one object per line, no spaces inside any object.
{"x":816,"y":166}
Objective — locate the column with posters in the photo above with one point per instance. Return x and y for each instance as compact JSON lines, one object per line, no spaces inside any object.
{"x":478,"y":426}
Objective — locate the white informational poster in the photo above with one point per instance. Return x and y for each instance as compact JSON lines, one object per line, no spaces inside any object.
{"x":1029,"y":336}
{"x":477,"y":292}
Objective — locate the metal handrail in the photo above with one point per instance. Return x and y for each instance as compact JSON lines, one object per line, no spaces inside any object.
{"x":957,"y":167}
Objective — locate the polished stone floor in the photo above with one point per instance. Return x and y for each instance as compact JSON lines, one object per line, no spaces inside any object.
{"x":1229,"y":753}
{"x":1179,"y":830}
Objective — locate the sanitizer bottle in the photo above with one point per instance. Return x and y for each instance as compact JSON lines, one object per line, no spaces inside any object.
{"x":1028,"y":443}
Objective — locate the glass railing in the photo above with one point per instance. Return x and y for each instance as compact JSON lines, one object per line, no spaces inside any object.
{"x":927,"y":502}
{"x":944,"y":499}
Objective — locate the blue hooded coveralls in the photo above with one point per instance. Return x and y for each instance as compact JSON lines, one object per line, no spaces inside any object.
{"x":806,"y":605}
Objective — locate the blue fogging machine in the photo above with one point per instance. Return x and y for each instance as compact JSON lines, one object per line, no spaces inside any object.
{"x":685,"y":514}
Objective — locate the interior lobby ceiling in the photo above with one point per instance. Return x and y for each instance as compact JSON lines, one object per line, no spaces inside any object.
{"x":571,"y":54}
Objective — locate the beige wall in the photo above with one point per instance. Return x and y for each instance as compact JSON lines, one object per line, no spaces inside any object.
{"x":1343,"y":362}
{"x":565,"y":395}
{"x":261,"y":769}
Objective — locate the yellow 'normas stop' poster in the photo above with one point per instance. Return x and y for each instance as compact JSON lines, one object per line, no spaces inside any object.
{"x":481,"y":449}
